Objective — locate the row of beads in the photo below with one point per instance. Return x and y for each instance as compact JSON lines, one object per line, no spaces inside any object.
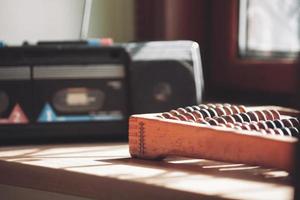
{"x":276,"y":127}
{"x":277,"y":123}
{"x":226,"y":115}
{"x":202,"y":111}
{"x":187,"y":114}
{"x":273,"y":121}
{"x":213,"y":109}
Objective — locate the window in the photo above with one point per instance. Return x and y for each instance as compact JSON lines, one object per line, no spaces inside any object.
{"x":269,"y":28}
{"x":230,"y":70}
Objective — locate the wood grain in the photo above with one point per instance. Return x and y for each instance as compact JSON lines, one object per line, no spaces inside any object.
{"x":106,"y":171}
{"x":153,"y":138}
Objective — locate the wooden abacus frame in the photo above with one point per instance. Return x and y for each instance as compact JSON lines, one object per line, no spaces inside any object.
{"x":151,"y":137}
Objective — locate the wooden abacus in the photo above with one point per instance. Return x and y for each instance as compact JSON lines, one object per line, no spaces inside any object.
{"x":224,"y":132}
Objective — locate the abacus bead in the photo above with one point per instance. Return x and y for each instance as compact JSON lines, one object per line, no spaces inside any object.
{"x":203,"y":106}
{"x":278,"y":131}
{"x":286,"y":131}
{"x":166,"y":115}
{"x":220,"y":120}
{"x":268,"y":114}
{"x":276,"y":114}
{"x":270,"y":124}
{"x":174,"y":117}
{"x":261,"y":115}
{"x":238,"y":124}
{"x":287,"y":123}
{"x":197,"y":114}
{"x":222,"y":125}
{"x":229,"y":125}
{"x":190,"y":116}
{"x":181,"y":110}
{"x":211,"y":105}
{"x":229,"y":118}
{"x":226,"y":104}
{"x":245,"y":117}
{"x":262,"y":125}
{"x":270,"y":131}
{"x":263,"y":131}
{"x":238,"y":128}
{"x":182,"y":117}
{"x":202,"y":121}
{"x":189,"y":109}
{"x":242,"y":108}
{"x":294,"y":131}
{"x":246,"y":127}
{"x":220,"y":111}
{"x":213,"y":122}
{"x":238,"y":118}
{"x":196,"y":108}
{"x":235,"y":109}
{"x":204,"y":113}
{"x":212,"y":112}
{"x":253,"y":116}
{"x":254,"y":127}
{"x":208,"y":118}
{"x":278,"y":123}
{"x":218,"y":105}
{"x":228,"y":110}
{"x":174,"y":112}
{"x":294,"y":121}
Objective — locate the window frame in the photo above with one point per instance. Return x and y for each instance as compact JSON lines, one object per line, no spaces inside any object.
{"x":229,"y":71}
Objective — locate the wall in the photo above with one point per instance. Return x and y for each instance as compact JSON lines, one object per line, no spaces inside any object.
{"x":112,"y":18}
{"x":34,"y":20}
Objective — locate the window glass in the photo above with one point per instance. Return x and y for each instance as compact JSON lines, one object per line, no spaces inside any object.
{"x":269,"y":28}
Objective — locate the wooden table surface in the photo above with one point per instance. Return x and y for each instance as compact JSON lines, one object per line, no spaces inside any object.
{"x":106,"y":171}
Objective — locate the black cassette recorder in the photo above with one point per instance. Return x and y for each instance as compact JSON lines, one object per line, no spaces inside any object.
{"x":80,"y":89}
{"x":63,"y":91}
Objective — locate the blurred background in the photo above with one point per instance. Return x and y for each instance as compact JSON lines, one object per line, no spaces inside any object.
{"x":249,"y":48}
